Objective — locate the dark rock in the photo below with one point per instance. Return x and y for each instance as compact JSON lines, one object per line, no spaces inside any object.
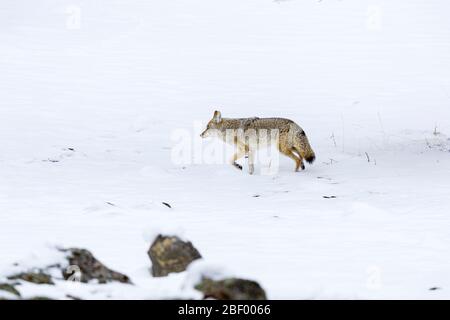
{"x":40,"y":298}
{"x":9,"y":288}
{"x":91,"y":268}
{"x":170,"y":254}
{"x":231,"y":289}
{"x":38,"y":277}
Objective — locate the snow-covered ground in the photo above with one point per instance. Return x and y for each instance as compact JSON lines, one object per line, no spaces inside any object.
{"x":93,"y":93}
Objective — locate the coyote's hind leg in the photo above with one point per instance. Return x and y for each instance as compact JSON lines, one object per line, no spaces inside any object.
{"x":290,"y":154}
{"x":297,"y":153}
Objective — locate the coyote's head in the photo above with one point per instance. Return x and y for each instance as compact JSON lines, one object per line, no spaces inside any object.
{"x":214,"y":125}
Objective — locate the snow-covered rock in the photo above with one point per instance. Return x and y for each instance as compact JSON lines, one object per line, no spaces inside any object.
{"x":170,"y":254}
{"x":231,"y":289}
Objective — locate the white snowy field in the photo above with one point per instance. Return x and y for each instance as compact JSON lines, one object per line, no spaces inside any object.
{"x":92,"y":92}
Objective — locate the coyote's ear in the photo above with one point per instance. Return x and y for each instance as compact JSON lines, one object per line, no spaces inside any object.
{"x":217,"y":116}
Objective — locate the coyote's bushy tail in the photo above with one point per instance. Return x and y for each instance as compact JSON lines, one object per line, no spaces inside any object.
{"x":310,"y":156}
{"x":304,"y":148}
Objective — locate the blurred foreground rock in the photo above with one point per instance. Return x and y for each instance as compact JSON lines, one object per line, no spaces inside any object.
{"x":170,"y":254}
{"x":231,"y":289}
{"x":37,"y":277}
{"x":9,"y":288}
{"x":72,"y":265}
{"x":89,"y":268}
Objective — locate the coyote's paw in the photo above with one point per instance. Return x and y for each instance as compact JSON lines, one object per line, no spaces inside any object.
{"x":237,"y":165}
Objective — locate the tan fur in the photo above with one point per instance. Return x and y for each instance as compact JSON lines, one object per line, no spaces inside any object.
{"x":246,"y":133}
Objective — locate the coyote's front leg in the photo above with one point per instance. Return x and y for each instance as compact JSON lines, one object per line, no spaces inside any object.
{"x":239,"y":154}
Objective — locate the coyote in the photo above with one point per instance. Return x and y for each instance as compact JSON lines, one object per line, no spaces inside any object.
{"x":247,"y":134}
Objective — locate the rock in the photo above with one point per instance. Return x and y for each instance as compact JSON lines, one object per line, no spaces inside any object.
{"x":90,"y":268}
{"x":231,"y":289}
{"x":38,"y":277}
{"x":170,"y":254}
{"x":9,"y":288}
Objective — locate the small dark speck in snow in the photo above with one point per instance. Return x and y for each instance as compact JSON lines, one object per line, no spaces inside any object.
{"x":167,"y":205}
{"x":434,"y":288}
{"x":111,"y":204}
{"x":256,"y":196}
{"x":329,"y":197}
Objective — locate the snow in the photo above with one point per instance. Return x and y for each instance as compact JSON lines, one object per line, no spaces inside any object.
{"x":93,"y":94}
